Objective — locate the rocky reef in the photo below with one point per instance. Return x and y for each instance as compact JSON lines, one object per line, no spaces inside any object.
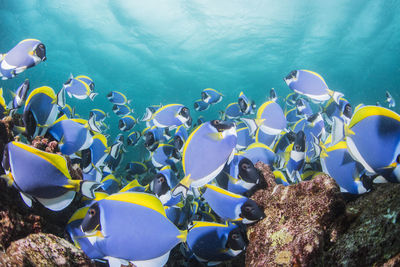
{"x":312,"y":224}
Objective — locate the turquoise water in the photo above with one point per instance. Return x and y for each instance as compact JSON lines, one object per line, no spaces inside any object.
{"x":168,"y":51}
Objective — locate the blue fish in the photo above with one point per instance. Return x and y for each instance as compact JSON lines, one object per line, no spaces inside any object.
{"x":165,"y":154}
{"x":171,"y":116}
{"x":117,"y":98}
{"x":181,"y":135}
{"x":246,"y":106}
{"x":312,"y":85}
{"x":205,"y":153}
{"x":200,"y":105}
{"x":232,"y":111}
{"x":133,"y":138}
{"x":244,"y":139}
{"x":95,"y":155}
{"x":40,"y":111}
{"x":114,"y":231}
{"x":343,"y":168}
{"x":272,"y":95}
{"x":126,"y":123}
{"x":211,"y":96}
{"x":297,"y":157}
{"x":20,"y":95}
{"x":162,"y":184}
{"x":67,"y":111}
{"x":230,"y":206}
{"x":24,"y":55}
{"x":110,"y":184}
{"x":121,"y":110}
{"x":213,"y":243}
{"x":390,"y":100}
{"x":78,"y":88}
{"x":136,"y":167}
{"x":153,"y":136}
{"x":100,"y":115}
{"x":303,"y":108}
{"x":149,"y":112}
{"x":259,"y":152}
{"x":45,"y":179}
{"x":72,"y":135}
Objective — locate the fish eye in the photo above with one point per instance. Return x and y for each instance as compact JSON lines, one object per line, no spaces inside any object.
{"x":161,"y":179}
{"x":297,"y":147}
{"x":92,"y":212}
{"x":245,"y":166}
{"x":235,"y":236}
{"x":215,"y":122}
{"x":248,"y":209}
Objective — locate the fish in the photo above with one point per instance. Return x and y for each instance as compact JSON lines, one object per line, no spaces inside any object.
{"x":136,"y":167}
{"x":114,"y":231}
{"x":259,"y":152}
{"x":72,"y":134}
{"x":3,"y":108}
{"x":272,"y":95}
{"x":153,"y":136}
{"x":270,"y":119}
{"x":312,"y":85}
{"x":303,"y":108}
{"x":239,"y":176}
{"x":211,"y":96}
{"x":110,"y":184}
{"x":171,"y":116}
{"x":232,"y":111}
{"x":117,"y":98}
{"x":200,"y":105}
{"x":213,"y":243}
{"x":78,"y":88}
{"x":20,"y":94}
{"x":291,"y":99}
{"x":162,"y":184}
{"x":165,"y":154}
{"x":126,"y":123}
{"x":230,"y":206}
{"x":371,"y":128}
{"x":292,"y":116}
{"x":100,"y":114}
{"x":133,"y":138}
{"x":40,"y":111}
{"x":181,"y":135}
{"x":205,"y":153}
{"x":264,"y":138}
{"x":246,"y":106}
{"x":284,"y":141}
{"x":339,"y":164}
{"x":95,"y":155}
{"x":150,"y":110}
{"x":390,"y":100}
{"x":280,"y":178}
{"x":244,"y":139}
{"x":45,"y":179}
{"x":297,"y":157}
{"x":26,"y":54}
{"x":121,"y":110}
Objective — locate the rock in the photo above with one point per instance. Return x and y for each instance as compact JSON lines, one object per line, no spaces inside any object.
{"x":371,"y":235}
{"x":6,"y":135}
{"x":43,"y":250}
{"x":298,"y":218}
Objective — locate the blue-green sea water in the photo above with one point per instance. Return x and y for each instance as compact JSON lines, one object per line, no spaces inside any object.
{"x":168,"y":51}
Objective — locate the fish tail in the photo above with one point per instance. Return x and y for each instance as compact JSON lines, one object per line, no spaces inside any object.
{"x":183,"y":235}
{"x":182,"y":187}
{"x":335,"y":95}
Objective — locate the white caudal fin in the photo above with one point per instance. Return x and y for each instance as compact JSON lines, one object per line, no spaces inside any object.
{"x":337,"y":130}
{"x":88,"y":188}
{"x":251,"y":124}
{"x":58,"y":203}
{"x":156,"y":262}
{"x":27,"y":199}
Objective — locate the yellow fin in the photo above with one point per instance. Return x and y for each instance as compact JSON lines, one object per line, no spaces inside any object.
{"x":182,"y":236}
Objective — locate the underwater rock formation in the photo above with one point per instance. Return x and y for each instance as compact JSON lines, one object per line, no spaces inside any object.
{"x":371,"y":230}
{"x":43,"y":250}
{"x":297,"y":220}
{"x":6,"y":135}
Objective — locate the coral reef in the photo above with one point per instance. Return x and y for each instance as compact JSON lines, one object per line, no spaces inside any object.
{"x":297,"y":220}
{"x":43,"y":250}
{"x":311,"y":224}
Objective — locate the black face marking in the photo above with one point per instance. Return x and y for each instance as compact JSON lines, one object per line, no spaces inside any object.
{"x":248,"y":172}
{"x":115,"y":108}
{"x":178,"y":142}
{"x":291,"y":75}
{"x":121,"y":124}
{"x":196,"y":106}
{"x":109,"y":95}
{"x":184,"y":112}
{"x":86,"y":156}
{"x":204,"y":95}
{"x":40,"y":52}
{"x":29,"y":122}
{"x":272,"y":94}
{"x":221,"y":125}
{"x":300,"y":142}
{"x":312,"y":117}
{"x":236,"y":241}
{"x":175,"y":154}
{"x":242,"y":105}
{"x":188,"y":123}
{"x":149,"y":139}
{"x":251,"y":211}
{"x":6,"y":158}
{"x":291,"y":136}
{"x":160,"y":185}
{"x":91,"y":221}
{"x":348,"y":111}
